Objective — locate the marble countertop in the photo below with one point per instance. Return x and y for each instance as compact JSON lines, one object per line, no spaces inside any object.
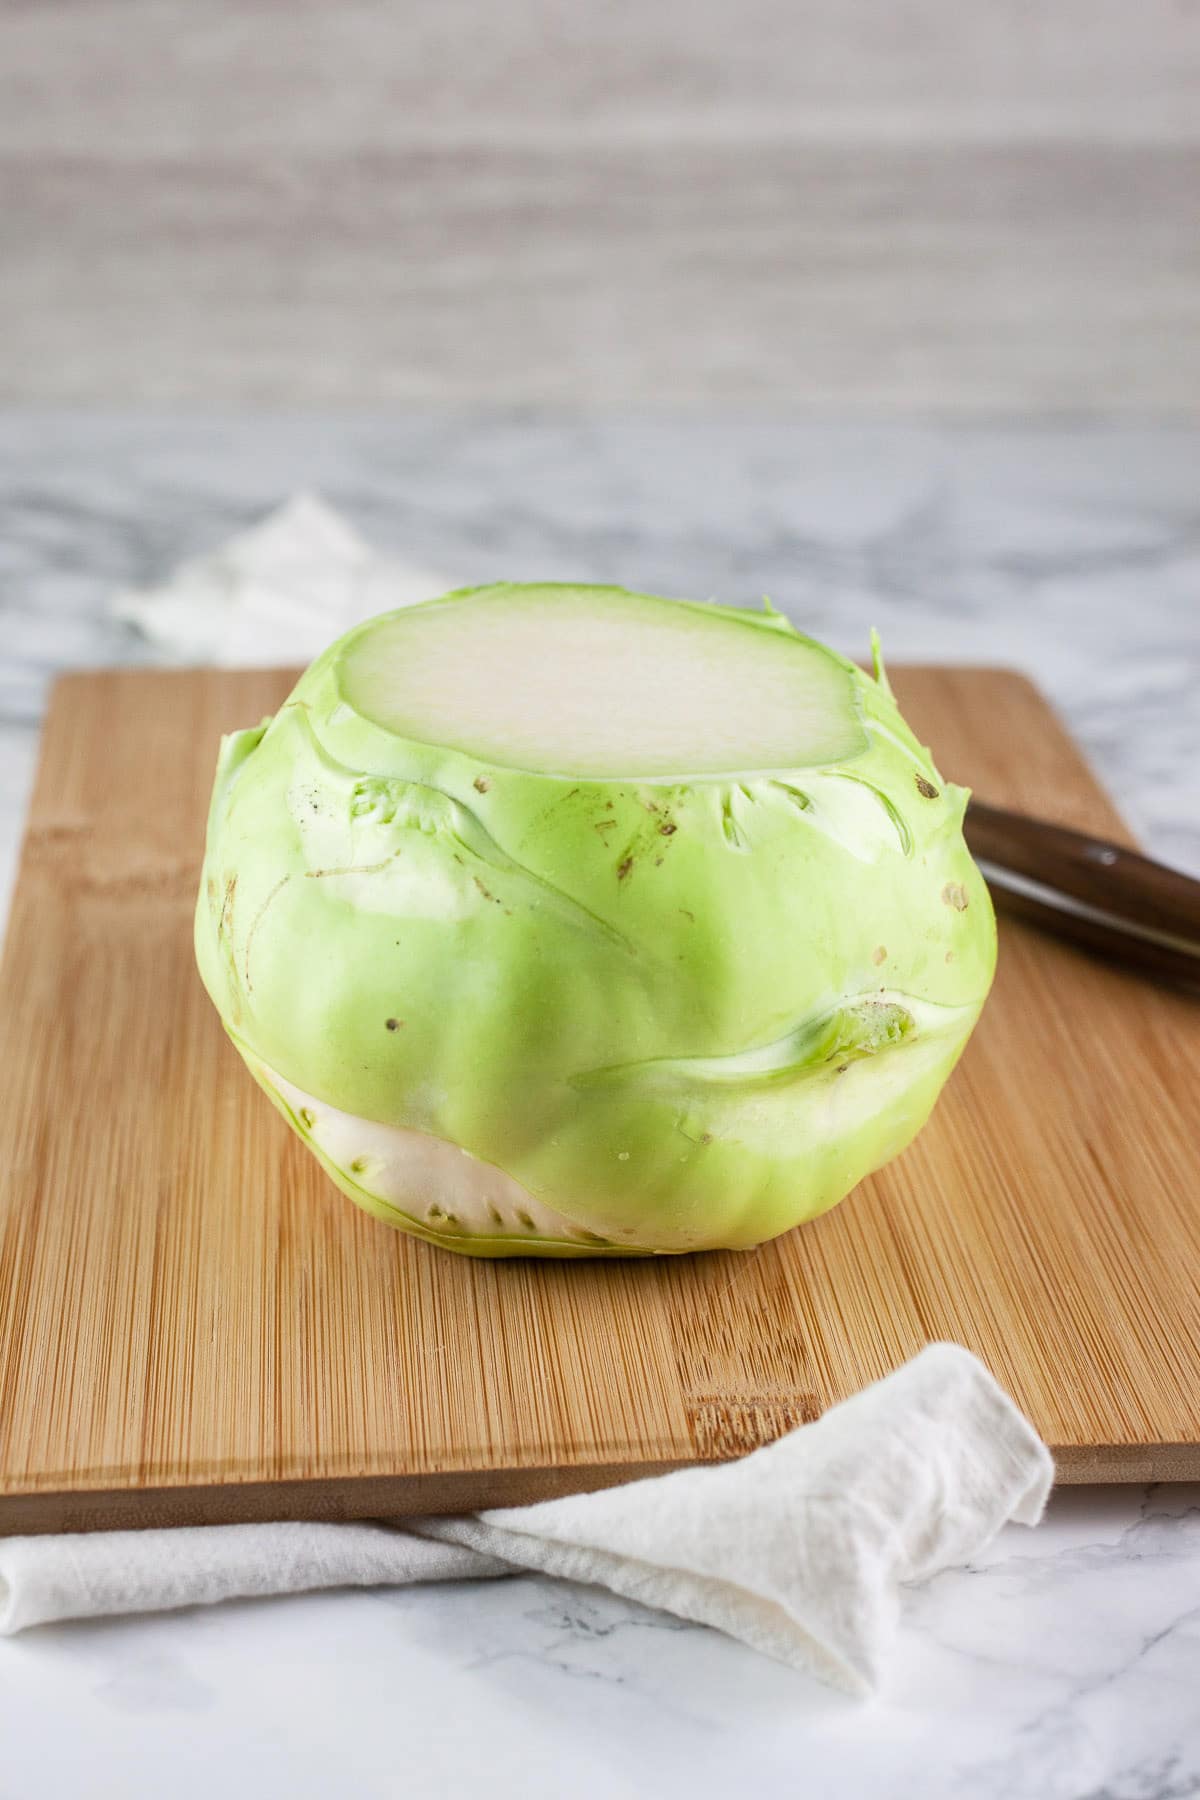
{"x":1065,"y":1662}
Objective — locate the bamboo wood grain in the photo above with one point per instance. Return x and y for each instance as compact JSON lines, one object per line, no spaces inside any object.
{"x":195,"y":1325}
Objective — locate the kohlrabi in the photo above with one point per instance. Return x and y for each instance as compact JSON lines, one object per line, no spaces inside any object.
{"x":566,"y":921}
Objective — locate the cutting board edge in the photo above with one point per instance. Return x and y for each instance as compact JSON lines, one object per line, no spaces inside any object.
{"x":331,"y":1499}
{"x":323,"y":1499}
{"x":1080,"y":1465}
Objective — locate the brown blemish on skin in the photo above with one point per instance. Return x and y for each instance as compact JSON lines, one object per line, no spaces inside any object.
{"x":624,"y":869}
{"x":667,"y":829}
{"x":842,"y":1067}
{"x":658,"y":862}
{"x":879,"y":955}
{"x":955,"y":894}
{"x":481,"y":784}
{"x":485,"y":891}
{"x":949,"y":956}
{"x":605,"y":825}
{"x":608,"y":805}
{"x":706,"y":1137}
{"x":394,"y":1024}
{"x":688,"y":915}
{"x":350,"y":869}
{"x":926,"y":788}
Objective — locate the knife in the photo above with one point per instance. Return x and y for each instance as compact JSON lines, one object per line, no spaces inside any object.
{"x":1096,"y":893}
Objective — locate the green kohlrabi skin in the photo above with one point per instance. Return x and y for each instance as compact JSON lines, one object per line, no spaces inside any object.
{"x":675,"y":1014}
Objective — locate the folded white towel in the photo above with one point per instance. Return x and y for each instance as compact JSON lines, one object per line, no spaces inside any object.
{"x":799,"y":1549}
{"x":276,"y":594}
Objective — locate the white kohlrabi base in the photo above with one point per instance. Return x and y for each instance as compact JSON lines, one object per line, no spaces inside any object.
{"x":435,"y":1183}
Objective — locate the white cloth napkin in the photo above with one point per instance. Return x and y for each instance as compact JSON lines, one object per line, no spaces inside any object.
{"x":799,"y":1549}
{"x":276,"y":594}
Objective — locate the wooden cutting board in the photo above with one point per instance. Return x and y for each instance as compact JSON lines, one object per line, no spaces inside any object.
{"x":195,"y":1325}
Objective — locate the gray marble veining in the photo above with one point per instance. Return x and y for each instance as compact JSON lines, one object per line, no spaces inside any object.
{"x":1063,"y":1663}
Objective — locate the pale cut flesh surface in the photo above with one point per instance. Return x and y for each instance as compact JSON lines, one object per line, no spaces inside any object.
{"x":434,"y":1184}
{"x":599,"y":683}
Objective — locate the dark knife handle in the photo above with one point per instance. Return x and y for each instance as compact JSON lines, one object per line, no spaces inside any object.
{"x":1097,"y":893}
